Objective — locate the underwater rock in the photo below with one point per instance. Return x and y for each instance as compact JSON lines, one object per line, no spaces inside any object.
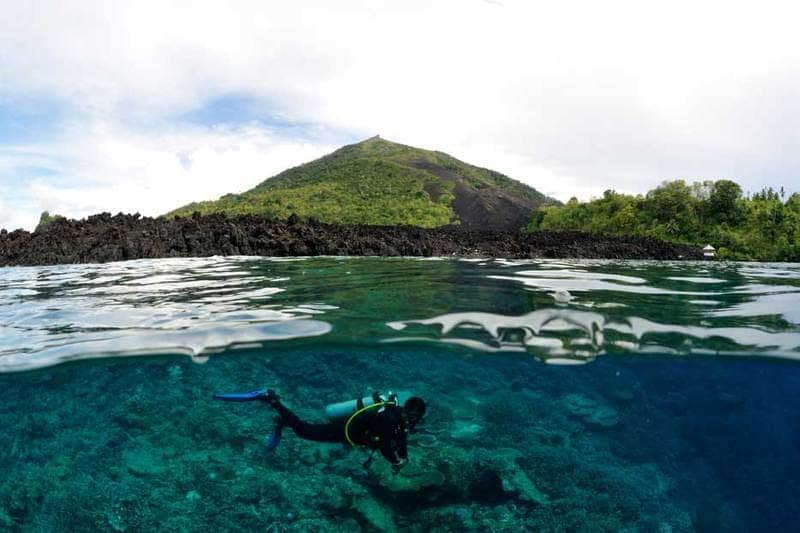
{"x":650,"y":475}
{"x":593,"y":413}
{"x":463,"y":513}
{"x":465,"y":408}
{"x":375,"y":513}
{"x":412,"y":478}
{"x":605,"y":417}
{"x":116,"y":522}
{"x":5,"y":519}
{"x":315,"y":455}
{"x":551,"y":438}
{"x":465,"y":430}
{"x":143,"y":461}
{"x":487,"y":487}
{"x":319,"y":524}
{"x":499,"y":478}
{"x":175,"y":372}
{"x":423,"y":440}
{"x":622,"y":393}
{"x":624,"y":387}
{"x":520,"y":482}
{"x":515,"y":479}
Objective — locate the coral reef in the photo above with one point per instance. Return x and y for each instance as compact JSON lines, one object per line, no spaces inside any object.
{"x":593,"y":413}
{"x":128,"y":445}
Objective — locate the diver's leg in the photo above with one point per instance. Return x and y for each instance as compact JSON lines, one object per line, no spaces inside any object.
{"x":319,"y":432}
{"x":330,"y":432}
{"x":287,"y":417}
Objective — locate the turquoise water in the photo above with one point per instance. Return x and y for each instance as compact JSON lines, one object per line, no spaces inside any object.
{"x":563,"y":395}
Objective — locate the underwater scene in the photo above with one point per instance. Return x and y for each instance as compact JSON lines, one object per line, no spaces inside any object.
{"x":561,"y":395}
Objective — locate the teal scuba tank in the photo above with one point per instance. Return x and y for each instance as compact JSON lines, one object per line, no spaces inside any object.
{"x":340,"y":410}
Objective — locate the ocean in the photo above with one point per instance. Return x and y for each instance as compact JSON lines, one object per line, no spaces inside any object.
{"x":562,"y":395}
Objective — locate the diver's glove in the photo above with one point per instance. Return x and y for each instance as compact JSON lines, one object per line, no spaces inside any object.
{"x":397,"y":466}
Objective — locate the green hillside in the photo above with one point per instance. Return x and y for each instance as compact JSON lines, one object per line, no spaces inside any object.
{"x":384,"y":183}
{"x":764,"y":226}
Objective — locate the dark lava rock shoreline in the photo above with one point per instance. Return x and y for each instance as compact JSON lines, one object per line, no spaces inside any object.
{"x":102,"y":238}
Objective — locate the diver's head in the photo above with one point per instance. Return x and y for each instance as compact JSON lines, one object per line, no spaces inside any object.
{"x":414,"y":409}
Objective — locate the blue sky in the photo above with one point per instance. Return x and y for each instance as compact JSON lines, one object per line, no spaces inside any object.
{"x":24,"y":120}
{"x":237,"y":109}
{"x":145,"y":106}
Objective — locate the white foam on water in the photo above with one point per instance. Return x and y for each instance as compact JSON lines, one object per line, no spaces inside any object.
{"x":574,"y":283}
{"x":696,"y":280}
{"x":581,"y":274}
{"x":582,"y":335}
{"x":197,"y":343}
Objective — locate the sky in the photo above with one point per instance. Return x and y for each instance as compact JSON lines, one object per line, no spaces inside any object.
{"x":146,"y":106}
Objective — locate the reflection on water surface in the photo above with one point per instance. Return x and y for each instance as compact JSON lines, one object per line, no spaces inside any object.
{"x":555,"y":311}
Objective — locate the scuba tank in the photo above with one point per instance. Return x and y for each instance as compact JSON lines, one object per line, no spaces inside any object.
{"x":340,"y":410}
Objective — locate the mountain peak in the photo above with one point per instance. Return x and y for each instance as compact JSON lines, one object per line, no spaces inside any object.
{"x":380,"y":182}
{"x":377,"y":140}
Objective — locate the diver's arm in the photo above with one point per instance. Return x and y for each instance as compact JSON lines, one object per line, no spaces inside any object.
{"x":390,"y":454}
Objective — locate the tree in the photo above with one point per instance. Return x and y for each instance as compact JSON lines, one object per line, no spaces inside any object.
{"x":672,"y":207}
{"x":46,"y":218}
{"x":723,"y":202}
{"x":761,"y":227}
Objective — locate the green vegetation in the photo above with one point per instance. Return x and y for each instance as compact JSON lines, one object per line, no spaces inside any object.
{"x":764,"y":226}
{"x":46,"y":218}
{"x":373,"y":182}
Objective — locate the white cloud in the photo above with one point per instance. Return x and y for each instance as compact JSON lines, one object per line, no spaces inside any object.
{"x":571,"y":97}
{"x":119,"y":170}
{"x":6,"y":219}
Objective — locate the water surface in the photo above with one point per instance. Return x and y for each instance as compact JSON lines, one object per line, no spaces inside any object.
{"x":564,"y":395}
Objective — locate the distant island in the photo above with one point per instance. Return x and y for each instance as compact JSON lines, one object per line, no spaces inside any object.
{"x":377,"y":197}
{"x":379,"y":182}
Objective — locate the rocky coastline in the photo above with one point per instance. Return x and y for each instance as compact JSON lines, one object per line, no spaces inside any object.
{"x":103,"y":238}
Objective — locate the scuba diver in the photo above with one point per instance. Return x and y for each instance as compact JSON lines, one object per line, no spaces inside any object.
{"x":376,"y":422}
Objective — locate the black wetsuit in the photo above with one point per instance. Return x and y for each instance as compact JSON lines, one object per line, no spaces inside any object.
{"x":380,"y":428}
